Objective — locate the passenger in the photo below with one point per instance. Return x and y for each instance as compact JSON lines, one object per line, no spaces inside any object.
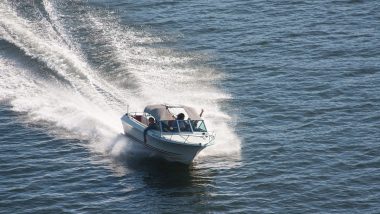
{"x":181,"y":123}
{"x":151,"y":126}
{"x":180,"y":116}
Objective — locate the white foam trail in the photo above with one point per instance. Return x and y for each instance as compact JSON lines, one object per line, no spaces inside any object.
{"x":163,"y":76}
{"x":79,"y":108}
{"x":70,"y":113}
{"x":167,"y":77}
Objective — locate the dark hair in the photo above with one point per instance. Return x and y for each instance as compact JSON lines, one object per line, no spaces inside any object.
{"x":151,"y":118}
{"x":180,"y":116}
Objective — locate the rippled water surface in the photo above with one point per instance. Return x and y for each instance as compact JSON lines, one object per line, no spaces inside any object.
{"x":290,"y":87}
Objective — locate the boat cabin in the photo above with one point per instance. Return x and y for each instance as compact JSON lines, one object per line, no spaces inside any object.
{"x":166,"y":118}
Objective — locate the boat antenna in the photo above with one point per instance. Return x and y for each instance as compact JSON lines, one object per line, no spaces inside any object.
{"x":128,"y":109}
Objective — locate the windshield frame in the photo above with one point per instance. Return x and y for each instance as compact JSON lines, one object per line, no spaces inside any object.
{"x":172,"y":126}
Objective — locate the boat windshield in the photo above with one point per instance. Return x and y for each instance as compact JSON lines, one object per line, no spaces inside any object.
{"x":183,"y":126}
{"x":198,"y":126}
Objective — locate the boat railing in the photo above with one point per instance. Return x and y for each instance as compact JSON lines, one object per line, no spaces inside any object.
{"x":186,"y":129}
{"x":186,"y":136}
{"x":139,"y":114}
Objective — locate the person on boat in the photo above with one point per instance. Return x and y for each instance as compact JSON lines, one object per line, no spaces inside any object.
{"x":183,"y":124}
{"x":151,"y":126}
{"x":181,"y":116}
{"x":177,"y":120}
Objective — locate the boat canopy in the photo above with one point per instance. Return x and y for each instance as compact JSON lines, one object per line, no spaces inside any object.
{"x":166,"y":112}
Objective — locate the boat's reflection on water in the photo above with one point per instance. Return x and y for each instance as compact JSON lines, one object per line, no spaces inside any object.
{"x":138,"y":164}
{"x":157,"y":172}
{"x":161,"y":173}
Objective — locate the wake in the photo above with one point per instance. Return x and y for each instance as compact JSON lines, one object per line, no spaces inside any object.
{"x":85,"y":101}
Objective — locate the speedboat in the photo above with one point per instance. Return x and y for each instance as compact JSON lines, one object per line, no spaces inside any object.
{"x":174,"y":138}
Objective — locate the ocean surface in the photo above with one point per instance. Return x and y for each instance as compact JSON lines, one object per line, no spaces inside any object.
{"x":291,"y":88}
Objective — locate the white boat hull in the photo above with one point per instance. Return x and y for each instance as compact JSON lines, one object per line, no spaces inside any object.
{"x":170,"y":150}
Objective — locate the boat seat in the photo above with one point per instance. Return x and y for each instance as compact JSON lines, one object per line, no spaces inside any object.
{"x":138,"y":118}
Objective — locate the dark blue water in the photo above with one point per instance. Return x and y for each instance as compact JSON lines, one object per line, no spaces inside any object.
{"x":290,"y":87}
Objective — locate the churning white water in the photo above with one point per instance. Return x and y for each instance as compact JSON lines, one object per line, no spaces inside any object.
{"x":76,"y":98}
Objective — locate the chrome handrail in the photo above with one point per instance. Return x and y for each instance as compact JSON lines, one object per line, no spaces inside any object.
{"x":186,"y":137}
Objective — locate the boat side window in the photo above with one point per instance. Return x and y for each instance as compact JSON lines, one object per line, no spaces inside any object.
{"x":199,"y":126}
